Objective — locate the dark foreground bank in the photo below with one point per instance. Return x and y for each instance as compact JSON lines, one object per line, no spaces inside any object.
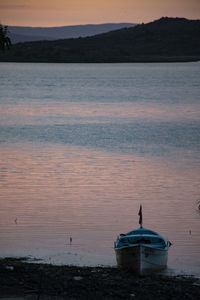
{"x":41,"y":281}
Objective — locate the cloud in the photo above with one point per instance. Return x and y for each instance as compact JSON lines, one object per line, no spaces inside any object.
{"x":13,"y":4}
{"x":10,"y":6}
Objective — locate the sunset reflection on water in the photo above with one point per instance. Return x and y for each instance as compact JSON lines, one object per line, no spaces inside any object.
{"x":88,"y":112}
{"x":83,"y":145}
{"x":53,"y":192}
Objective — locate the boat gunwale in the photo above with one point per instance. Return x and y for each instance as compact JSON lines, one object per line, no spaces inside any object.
{"x":142,"y":245}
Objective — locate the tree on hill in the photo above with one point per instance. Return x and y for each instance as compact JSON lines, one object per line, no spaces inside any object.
{"x":5,"y":42}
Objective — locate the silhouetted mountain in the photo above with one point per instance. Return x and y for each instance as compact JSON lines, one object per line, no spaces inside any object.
{"x":166,"y":39}
{"x":27,"y":34}
{"x":20,"y":38}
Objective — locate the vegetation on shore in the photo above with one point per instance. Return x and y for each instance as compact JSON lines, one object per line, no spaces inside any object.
{"x":166,"y":39}
{"x":5,"y":42}
{"x":42,"y":281}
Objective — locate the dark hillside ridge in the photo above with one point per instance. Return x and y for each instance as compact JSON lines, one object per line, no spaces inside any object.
{"x":166,"y":39}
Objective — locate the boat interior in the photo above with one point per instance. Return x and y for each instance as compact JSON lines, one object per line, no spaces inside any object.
{"x":141,"y":236}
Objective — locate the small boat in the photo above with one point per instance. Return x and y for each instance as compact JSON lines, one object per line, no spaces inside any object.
{"x":142,"y":251}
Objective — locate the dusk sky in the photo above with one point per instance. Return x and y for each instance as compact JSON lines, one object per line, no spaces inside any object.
{"x":75,"y":12}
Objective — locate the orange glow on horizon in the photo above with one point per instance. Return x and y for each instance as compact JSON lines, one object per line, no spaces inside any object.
{"x":75,"y":12}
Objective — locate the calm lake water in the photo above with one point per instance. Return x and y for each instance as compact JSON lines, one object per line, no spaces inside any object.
{"x":83,"y":145}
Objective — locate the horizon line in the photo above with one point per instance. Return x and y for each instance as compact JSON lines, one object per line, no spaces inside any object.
{"x":58,"y":26}
{"x":104,"y":23}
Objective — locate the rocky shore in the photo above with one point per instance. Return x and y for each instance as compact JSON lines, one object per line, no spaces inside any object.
{"x":20,"y":279}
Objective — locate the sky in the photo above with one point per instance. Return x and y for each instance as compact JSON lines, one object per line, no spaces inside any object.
{"x":46,"y":13}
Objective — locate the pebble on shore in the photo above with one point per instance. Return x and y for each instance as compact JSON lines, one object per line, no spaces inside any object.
{"x":43,"y":281}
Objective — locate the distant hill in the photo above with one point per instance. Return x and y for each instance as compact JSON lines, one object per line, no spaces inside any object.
{"x":166,"y":39}
{"x":28,"y":34}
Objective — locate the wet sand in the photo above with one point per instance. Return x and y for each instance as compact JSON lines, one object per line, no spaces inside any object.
{"x":23,"y":280}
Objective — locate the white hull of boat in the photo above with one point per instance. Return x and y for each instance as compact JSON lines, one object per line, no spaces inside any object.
{"x":141,"y":259}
